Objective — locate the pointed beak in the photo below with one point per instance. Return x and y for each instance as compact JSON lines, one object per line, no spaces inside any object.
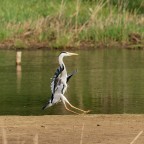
{"x":70,"y":54}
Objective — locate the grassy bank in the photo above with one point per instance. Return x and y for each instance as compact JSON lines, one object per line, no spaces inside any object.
{"x":64,"y":23}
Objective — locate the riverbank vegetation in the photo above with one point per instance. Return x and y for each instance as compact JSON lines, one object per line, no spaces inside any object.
{"x":77,"y":23}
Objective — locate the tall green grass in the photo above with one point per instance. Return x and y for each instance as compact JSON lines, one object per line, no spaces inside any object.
{"x":64,"y":23}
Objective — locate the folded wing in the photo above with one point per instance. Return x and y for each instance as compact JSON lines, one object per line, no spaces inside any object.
{"x":56,"y":78}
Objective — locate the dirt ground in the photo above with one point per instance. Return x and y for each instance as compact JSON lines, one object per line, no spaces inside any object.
{"x":72,"y":129}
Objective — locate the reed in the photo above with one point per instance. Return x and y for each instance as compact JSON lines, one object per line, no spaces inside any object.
{"x":64,"y":23}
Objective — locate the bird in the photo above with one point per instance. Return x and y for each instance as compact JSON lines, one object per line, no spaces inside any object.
{"x":59,"y":85}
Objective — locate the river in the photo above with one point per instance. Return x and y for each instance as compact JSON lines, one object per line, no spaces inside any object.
{"x":108,"y":81}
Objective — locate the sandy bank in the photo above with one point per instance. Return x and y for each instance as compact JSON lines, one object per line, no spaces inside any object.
{"x":72,"y":129}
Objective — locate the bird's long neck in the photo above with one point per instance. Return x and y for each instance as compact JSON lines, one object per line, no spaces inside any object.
{"x":61,"y":63}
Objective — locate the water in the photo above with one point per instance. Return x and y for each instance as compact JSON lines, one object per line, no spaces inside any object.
{"x":109,"y":81}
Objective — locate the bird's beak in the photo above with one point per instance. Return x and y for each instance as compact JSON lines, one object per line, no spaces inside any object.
{"x":70,"y":54}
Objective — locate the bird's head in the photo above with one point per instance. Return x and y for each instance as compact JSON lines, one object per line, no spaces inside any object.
{"x":64,"y":54}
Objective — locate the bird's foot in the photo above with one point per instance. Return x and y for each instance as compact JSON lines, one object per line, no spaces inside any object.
{"x":85,"y":112}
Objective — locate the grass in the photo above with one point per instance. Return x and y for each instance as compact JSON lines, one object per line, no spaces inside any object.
{"x":63,"y":23}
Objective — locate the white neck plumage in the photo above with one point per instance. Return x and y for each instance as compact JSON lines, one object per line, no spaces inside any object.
{"x":61,"y":60}
{"x":61,"y":63}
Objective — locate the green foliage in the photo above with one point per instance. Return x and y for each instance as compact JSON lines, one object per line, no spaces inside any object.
{"x":130,"y":5}
{"x":64,"y":23}
{"x":19,"y":44}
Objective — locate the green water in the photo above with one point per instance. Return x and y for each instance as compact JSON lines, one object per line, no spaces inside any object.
{"x":109,"y":81}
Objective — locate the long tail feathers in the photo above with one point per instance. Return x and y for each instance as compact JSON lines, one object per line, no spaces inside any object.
{"x":46,"y":105}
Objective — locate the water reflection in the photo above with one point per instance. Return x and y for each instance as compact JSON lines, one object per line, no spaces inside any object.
{"x":19,"y":76}
{"x":108,"y":81}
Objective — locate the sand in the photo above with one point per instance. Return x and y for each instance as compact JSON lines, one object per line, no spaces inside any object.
{"x":72,"y":129}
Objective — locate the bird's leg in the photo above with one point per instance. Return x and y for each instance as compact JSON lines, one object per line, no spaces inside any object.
{"x":74,"y":106}
{"x":78,"y":108}
{"x":68,"y":109}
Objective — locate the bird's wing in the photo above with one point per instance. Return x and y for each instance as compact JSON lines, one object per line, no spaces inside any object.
{"x":55,"y":98}
{"x":56,"y":78}
{"x":56,"y":88}
{"x":56,"y":81}
{"x":70,"y":75}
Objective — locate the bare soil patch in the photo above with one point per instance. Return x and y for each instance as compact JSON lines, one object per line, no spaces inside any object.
{"x":72,"y":129}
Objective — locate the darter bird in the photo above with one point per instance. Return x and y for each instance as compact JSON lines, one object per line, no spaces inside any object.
{"x":59,"y":85}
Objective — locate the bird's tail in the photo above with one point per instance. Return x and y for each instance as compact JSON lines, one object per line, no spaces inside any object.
{"x":47,"y":105}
